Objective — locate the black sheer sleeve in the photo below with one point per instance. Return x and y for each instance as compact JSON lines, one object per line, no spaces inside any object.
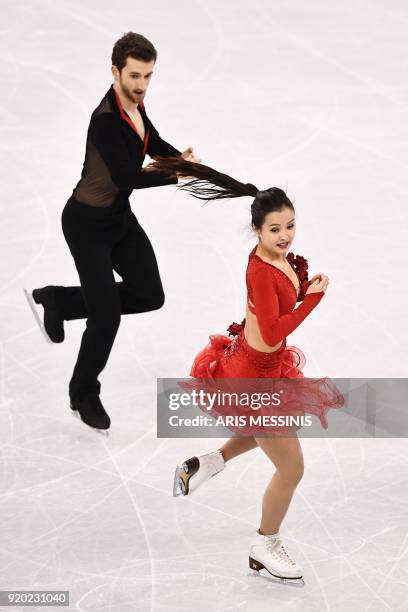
{"x":105,"y":134}
{"x":158,"y":146}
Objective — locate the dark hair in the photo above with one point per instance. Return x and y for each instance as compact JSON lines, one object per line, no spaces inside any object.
{"x":270,"y":200}
{"x":210,"y":184}
{"x":132,"y":45}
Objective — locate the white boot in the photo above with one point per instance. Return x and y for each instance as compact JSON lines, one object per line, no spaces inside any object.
{"x":195,"y":471}
{"x":267,"y":552}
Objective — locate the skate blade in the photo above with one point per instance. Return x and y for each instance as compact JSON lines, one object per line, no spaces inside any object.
{"x":31,"y":303}
{"x":266,"y":575}
{"x":179,"y":487}
{"x":101,"y":432}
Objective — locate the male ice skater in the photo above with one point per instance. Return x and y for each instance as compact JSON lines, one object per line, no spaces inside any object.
{"x":101,"y":230}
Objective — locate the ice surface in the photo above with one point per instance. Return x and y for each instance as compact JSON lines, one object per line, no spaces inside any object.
{"x":309,"y":96}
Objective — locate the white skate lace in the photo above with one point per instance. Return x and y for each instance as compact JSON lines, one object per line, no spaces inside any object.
{"x":277,"y":549}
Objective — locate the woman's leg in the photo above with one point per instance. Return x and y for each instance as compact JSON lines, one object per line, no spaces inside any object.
{"x":286,"y":454}
{"x":237,"y":446}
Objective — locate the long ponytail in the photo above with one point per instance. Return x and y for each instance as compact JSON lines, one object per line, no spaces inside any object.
{"x":208,"y":184}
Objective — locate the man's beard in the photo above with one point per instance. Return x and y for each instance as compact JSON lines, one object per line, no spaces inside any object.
{"x":127,"y":92}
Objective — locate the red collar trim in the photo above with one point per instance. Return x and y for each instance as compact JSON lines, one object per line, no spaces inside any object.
{"x":130,"y":122}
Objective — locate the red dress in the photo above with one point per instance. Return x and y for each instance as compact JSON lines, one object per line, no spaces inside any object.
{"x":274,"y":296}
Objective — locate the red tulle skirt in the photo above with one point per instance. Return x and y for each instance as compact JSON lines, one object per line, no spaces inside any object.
{"x":225,"y":357}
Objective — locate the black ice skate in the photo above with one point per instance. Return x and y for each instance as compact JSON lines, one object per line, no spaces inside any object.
{"x":91,"y":411}
{"x":53,"y":325}
{"x":197,"y":470}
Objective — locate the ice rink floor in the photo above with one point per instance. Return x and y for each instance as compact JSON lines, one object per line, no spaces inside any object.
{"x":311,"y":97}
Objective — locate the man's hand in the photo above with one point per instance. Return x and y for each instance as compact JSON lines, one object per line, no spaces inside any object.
{"x":149,"y":168}
{"x":188,"y":155}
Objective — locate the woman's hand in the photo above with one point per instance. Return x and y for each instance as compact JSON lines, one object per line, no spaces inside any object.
{"x":319,"y":282}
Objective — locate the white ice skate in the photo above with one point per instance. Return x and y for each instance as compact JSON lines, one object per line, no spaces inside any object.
{"x":267,"y":554}
{"x":195,"y":471}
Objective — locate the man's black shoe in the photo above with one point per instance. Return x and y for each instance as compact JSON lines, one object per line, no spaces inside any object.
{"x":91,"y":411}
{"x":53,"y":325}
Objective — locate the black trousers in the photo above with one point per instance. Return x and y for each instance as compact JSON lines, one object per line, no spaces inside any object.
{"x":102,"y":240}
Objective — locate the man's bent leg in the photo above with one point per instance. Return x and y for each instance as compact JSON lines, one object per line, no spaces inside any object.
{"x":141,"y":289}
{"x":133,"y":258}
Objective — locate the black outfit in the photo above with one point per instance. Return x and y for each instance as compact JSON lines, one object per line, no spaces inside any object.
{"x":104,"y":235}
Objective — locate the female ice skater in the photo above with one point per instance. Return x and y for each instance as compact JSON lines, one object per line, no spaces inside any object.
{"x":276,"y":280}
